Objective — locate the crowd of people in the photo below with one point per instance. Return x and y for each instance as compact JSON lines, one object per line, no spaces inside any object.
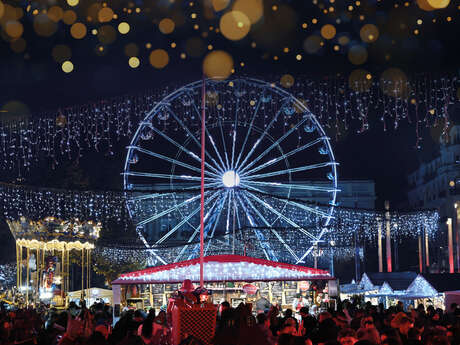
{"x":350,"y":324}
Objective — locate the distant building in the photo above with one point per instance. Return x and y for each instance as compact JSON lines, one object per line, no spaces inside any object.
{"x":436,"y":185}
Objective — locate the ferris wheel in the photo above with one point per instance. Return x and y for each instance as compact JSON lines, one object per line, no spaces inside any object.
{"x":269,"y":166}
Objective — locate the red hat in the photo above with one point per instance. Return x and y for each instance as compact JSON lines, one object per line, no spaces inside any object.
{"x":187,"y":286}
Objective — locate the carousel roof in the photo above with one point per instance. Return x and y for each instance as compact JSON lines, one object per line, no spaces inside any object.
{"x":220,"y":268}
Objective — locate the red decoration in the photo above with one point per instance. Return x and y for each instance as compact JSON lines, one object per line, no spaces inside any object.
{"x":304,"y":285}
{"x":250,"y":289}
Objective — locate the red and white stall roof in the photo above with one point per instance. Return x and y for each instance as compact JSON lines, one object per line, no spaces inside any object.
{"x":220,"y":268}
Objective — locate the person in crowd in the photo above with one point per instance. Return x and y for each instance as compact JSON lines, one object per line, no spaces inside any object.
{"x":347,"y":336}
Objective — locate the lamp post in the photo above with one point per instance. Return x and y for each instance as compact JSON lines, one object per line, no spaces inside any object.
{"x":332,"y":244}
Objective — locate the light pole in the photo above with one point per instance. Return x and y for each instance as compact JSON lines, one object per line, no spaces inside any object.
{"x":332,"y":244}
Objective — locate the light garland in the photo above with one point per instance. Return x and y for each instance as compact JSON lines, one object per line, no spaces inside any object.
{"x":8,"y":275}
{"x":236,"y":268}
{"x":337,"y":103}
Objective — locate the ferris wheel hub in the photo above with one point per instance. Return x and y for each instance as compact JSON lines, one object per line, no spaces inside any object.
{"x":230,"y":179}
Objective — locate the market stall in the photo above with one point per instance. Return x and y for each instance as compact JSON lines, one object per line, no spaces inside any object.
{"x":231,"y":278}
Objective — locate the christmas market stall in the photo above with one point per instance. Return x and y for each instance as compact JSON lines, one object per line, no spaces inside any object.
{"x":232,"y":278}
{"x":436,"y":289}
{"x":379,"y":287}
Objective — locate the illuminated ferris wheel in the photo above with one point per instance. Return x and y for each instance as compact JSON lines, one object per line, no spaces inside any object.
{"x":268,"y":167}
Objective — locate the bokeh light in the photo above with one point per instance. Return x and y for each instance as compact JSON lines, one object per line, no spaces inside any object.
{"x":67,"y":66}
{"x":393,"y":82}
{"x":14,"y":29}
{"x":424,"y":5}
{"x":78,"y":31}
{"x":287,"y":81}
{"x":437,"y":4}
{"x":357,"y":54}
{"x":61,"y":53}
{"x":134,"y":62}
{"x":14,"y":111}
{"x":159,"y":58}
{"x":253,"y":9}
{"x":2,"y":9}
{"x":218,"y":64}
{"x":219,"y":5}
{"x":72,"y":2}
{"x":328,"y":31}
{"x":123,"y":28}
{"x":55,"y":13}
{"x":107,"y":34}
{"x":69,"y":17}
{"x":166,"y":26}
{"x":234,"y":25}
{"x":312,"y":44}
{"x":44,"y":26}
{"x":358,"y":80}
{"x":343,"y":40}
{"x":18,"y":45}
{"x":105,"y":15}
{"x":369,"y":33}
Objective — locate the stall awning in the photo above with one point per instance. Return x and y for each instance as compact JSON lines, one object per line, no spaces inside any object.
{"x":219,"y":268}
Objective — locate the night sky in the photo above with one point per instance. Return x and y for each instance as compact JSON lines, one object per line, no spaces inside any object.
{"x":37,"y":81}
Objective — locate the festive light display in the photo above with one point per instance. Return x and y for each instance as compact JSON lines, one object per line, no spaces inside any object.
{"x":339,"y":104}
{"x":8,"y":275}
{"x":223,"y":268}
{"x":421,"y":288}
{"x":32,"y":203}
{"x":249,"y":150}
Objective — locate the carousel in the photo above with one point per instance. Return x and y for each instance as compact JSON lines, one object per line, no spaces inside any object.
{"x":43,"y":248}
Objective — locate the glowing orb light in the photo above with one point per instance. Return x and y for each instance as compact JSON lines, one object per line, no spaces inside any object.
{"x":230,"y":179}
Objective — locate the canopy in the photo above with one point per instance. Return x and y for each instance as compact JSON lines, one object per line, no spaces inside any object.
{"x":220,"y":268}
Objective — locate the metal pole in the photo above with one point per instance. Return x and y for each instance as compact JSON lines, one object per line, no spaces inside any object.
{"x":457,"y":237}
{"x":420,"y":254}
{"x":203,"y":118}
{"x":379,"y":242}
{"x":388,"y":235}
{"x":427,"y":251}
{"x":450,"y":244}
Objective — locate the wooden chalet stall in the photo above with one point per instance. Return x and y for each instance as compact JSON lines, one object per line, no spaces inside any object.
{"x":232,"y":278}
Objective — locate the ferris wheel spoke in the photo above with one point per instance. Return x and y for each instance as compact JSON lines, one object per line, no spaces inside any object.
{"x":217,"y":152}
{"x":282,"y":216}
{"x":293,"y":186}
{"x":308,"y":251}
{"x":168,"y":177}
{"x":181,"y":147}
{"x":227,"y":225}
{"x":276,"y":143}
{"x":220,"y":167}
{"x":260,"y":237}
{"x":249,"y":129}
{"x":290,"y":170}
{"x":280,"y":158}
{"x":264,"y":133}
{"x":171,"y":209}
{"x":269,"y":226}
{"x":292,"y":203}
{"x":185,"y":220}
{"x":233,"y":148}
{"x":195,"y":232}
{"x":221,"y":206}
{"x":170,"y":160}
{"x":225,"y":147}
{"x":192,"y":136}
